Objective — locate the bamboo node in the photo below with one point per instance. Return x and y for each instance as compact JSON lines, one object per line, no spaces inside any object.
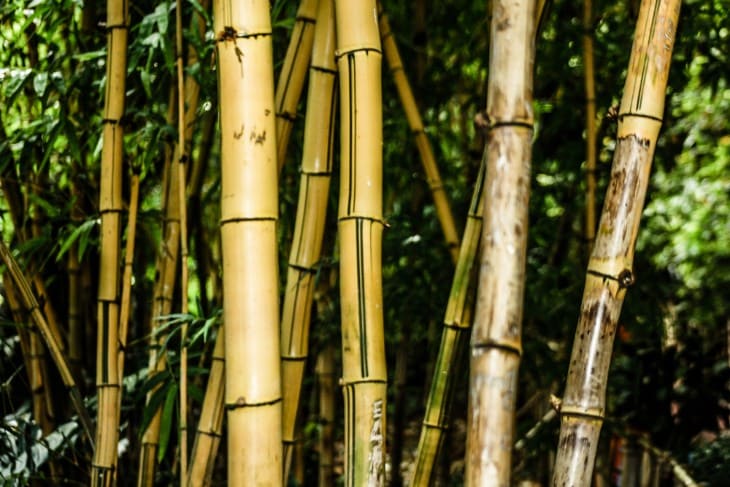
{"x":555,"y":402}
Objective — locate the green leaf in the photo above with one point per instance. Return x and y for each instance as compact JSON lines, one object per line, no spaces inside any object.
{"x":18,"y":78}
{"x":40,"y":83}
{"x":80,"y":233}
{"x":168,"y":414}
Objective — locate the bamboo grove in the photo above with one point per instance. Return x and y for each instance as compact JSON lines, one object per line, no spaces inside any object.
{"x":345,"y":242}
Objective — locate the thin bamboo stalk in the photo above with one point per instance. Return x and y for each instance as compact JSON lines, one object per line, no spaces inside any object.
{"x":591,"y":134}
{"x":249,"y":212}
{"x":291,"y":79}
{"x":454,"y":341}
{"x":210,"y":426}
{"x":309,"y":229}
{"x":496,"y":337}
{"x":181,"y":172}
{"x":325,"y":370}
{"x":126,"y":301}
{"x":425,"y":151}
{"x":610,"y":271}
{"x":360,"y":223}
{"x":110,"y":206}
{"x":31,"y":306}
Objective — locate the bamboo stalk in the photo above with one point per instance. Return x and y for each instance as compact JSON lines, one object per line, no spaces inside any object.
{"x":325,"y":370}
{"x":249,"y":212}
{"x":591,"y":134}
{"x":360,"y":224}
{"x":610,"y":267}
{"x":309,"y":229}
{"x":110,"y":206}
{"x":496,"y":337}
{"x":291,"y":79}
{"x":454,"y":341}
{"x":31,"y":306}
{"x":210,"y":426}
{"x":126,"y":302}
{"x":425,"y":151}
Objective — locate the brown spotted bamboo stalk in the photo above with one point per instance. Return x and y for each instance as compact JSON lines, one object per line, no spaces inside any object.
{"x":454,"y":342}
{"x":590,"y":215}
{"x":428,"y":160}
{"x":310,"y":221}
{"x":496,"y":338}
{"x":30,"y":305}
{"x":610,"y":266}
{"x":360,"y":222}
{"x":249,"y":212}
{"x":210,"y":425}
{"x":291,"y":79}
{"x":110,"y":207}
{"x":326,"y":384}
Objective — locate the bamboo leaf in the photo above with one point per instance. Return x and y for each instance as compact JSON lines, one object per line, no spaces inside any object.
{"x":168,"y":412}
{"x":80,"y":233}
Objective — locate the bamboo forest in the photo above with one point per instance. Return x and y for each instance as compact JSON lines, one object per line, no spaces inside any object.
{"x":365,"y":243}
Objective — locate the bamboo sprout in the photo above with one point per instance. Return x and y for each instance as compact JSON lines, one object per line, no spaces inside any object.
{"x":210,"y":425}
{"x":454,"y":341}
{"x":360,"y":224}
{"x":610,"y":266}
{"x":310,"y":221}
{"x":291,"y":79}
{"x":325,"y":370}
{"x":590,"y":215}
{"x":30,"y":303}
{"x":496,"y":337}
{"x":110,"y":207}
{"x":249,"y":212}
{"x":428,"y":160}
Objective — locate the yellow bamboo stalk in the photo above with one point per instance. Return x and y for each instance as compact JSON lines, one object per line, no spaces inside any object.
{"x":360,"y":222}
{"x":590,"y":89}
{"x":610,"y":266}
{"x":249,"y":212}
{"x":210,"y":426}
{"x":181,"y":173}
{"x":291,"y":79}
{"x":30,"y":304}
{"x":110,"y":206}
{"x":325,"y":371}
{"x":496,"y":337}
{"x":425,"y":151}
{"x":126,"y":302}
{"x":454,"y":341}
{"x":310,"y":221}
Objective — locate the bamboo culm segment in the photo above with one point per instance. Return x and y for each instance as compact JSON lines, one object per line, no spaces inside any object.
{"x":496,"y":338}
{"x":454,"y":342}
{"x":428,"y":160}
{"x":326,"y":384}
{"x":293,"y":72}
{"x":310,"y":220}
{"x":110,"y":207}
{"x":249,"y":211}
{"x":610,"y":268}
{"x":591,"y":134}
{"x":360,"y":223}
{"x":210,"y":425}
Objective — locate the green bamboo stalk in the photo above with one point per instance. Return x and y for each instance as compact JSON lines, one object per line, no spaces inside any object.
{"x":610,"y":271}
{"x":310,"y":221}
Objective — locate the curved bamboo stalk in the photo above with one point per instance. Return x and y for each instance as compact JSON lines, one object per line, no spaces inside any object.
{"x":110,"y":206}
{"x":360,"y":224}
{"x":249,"y":212}
{"x":291,"y":79}
{"x":454,"y":341}
{"x":590,"y":215}
{"x":210,"y":426}
{"x":31,"y":306}
{"x":310,"y":221}
{"x":496,"y":337}
{"x":428,"y":160}
{"x":610,"y":266}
